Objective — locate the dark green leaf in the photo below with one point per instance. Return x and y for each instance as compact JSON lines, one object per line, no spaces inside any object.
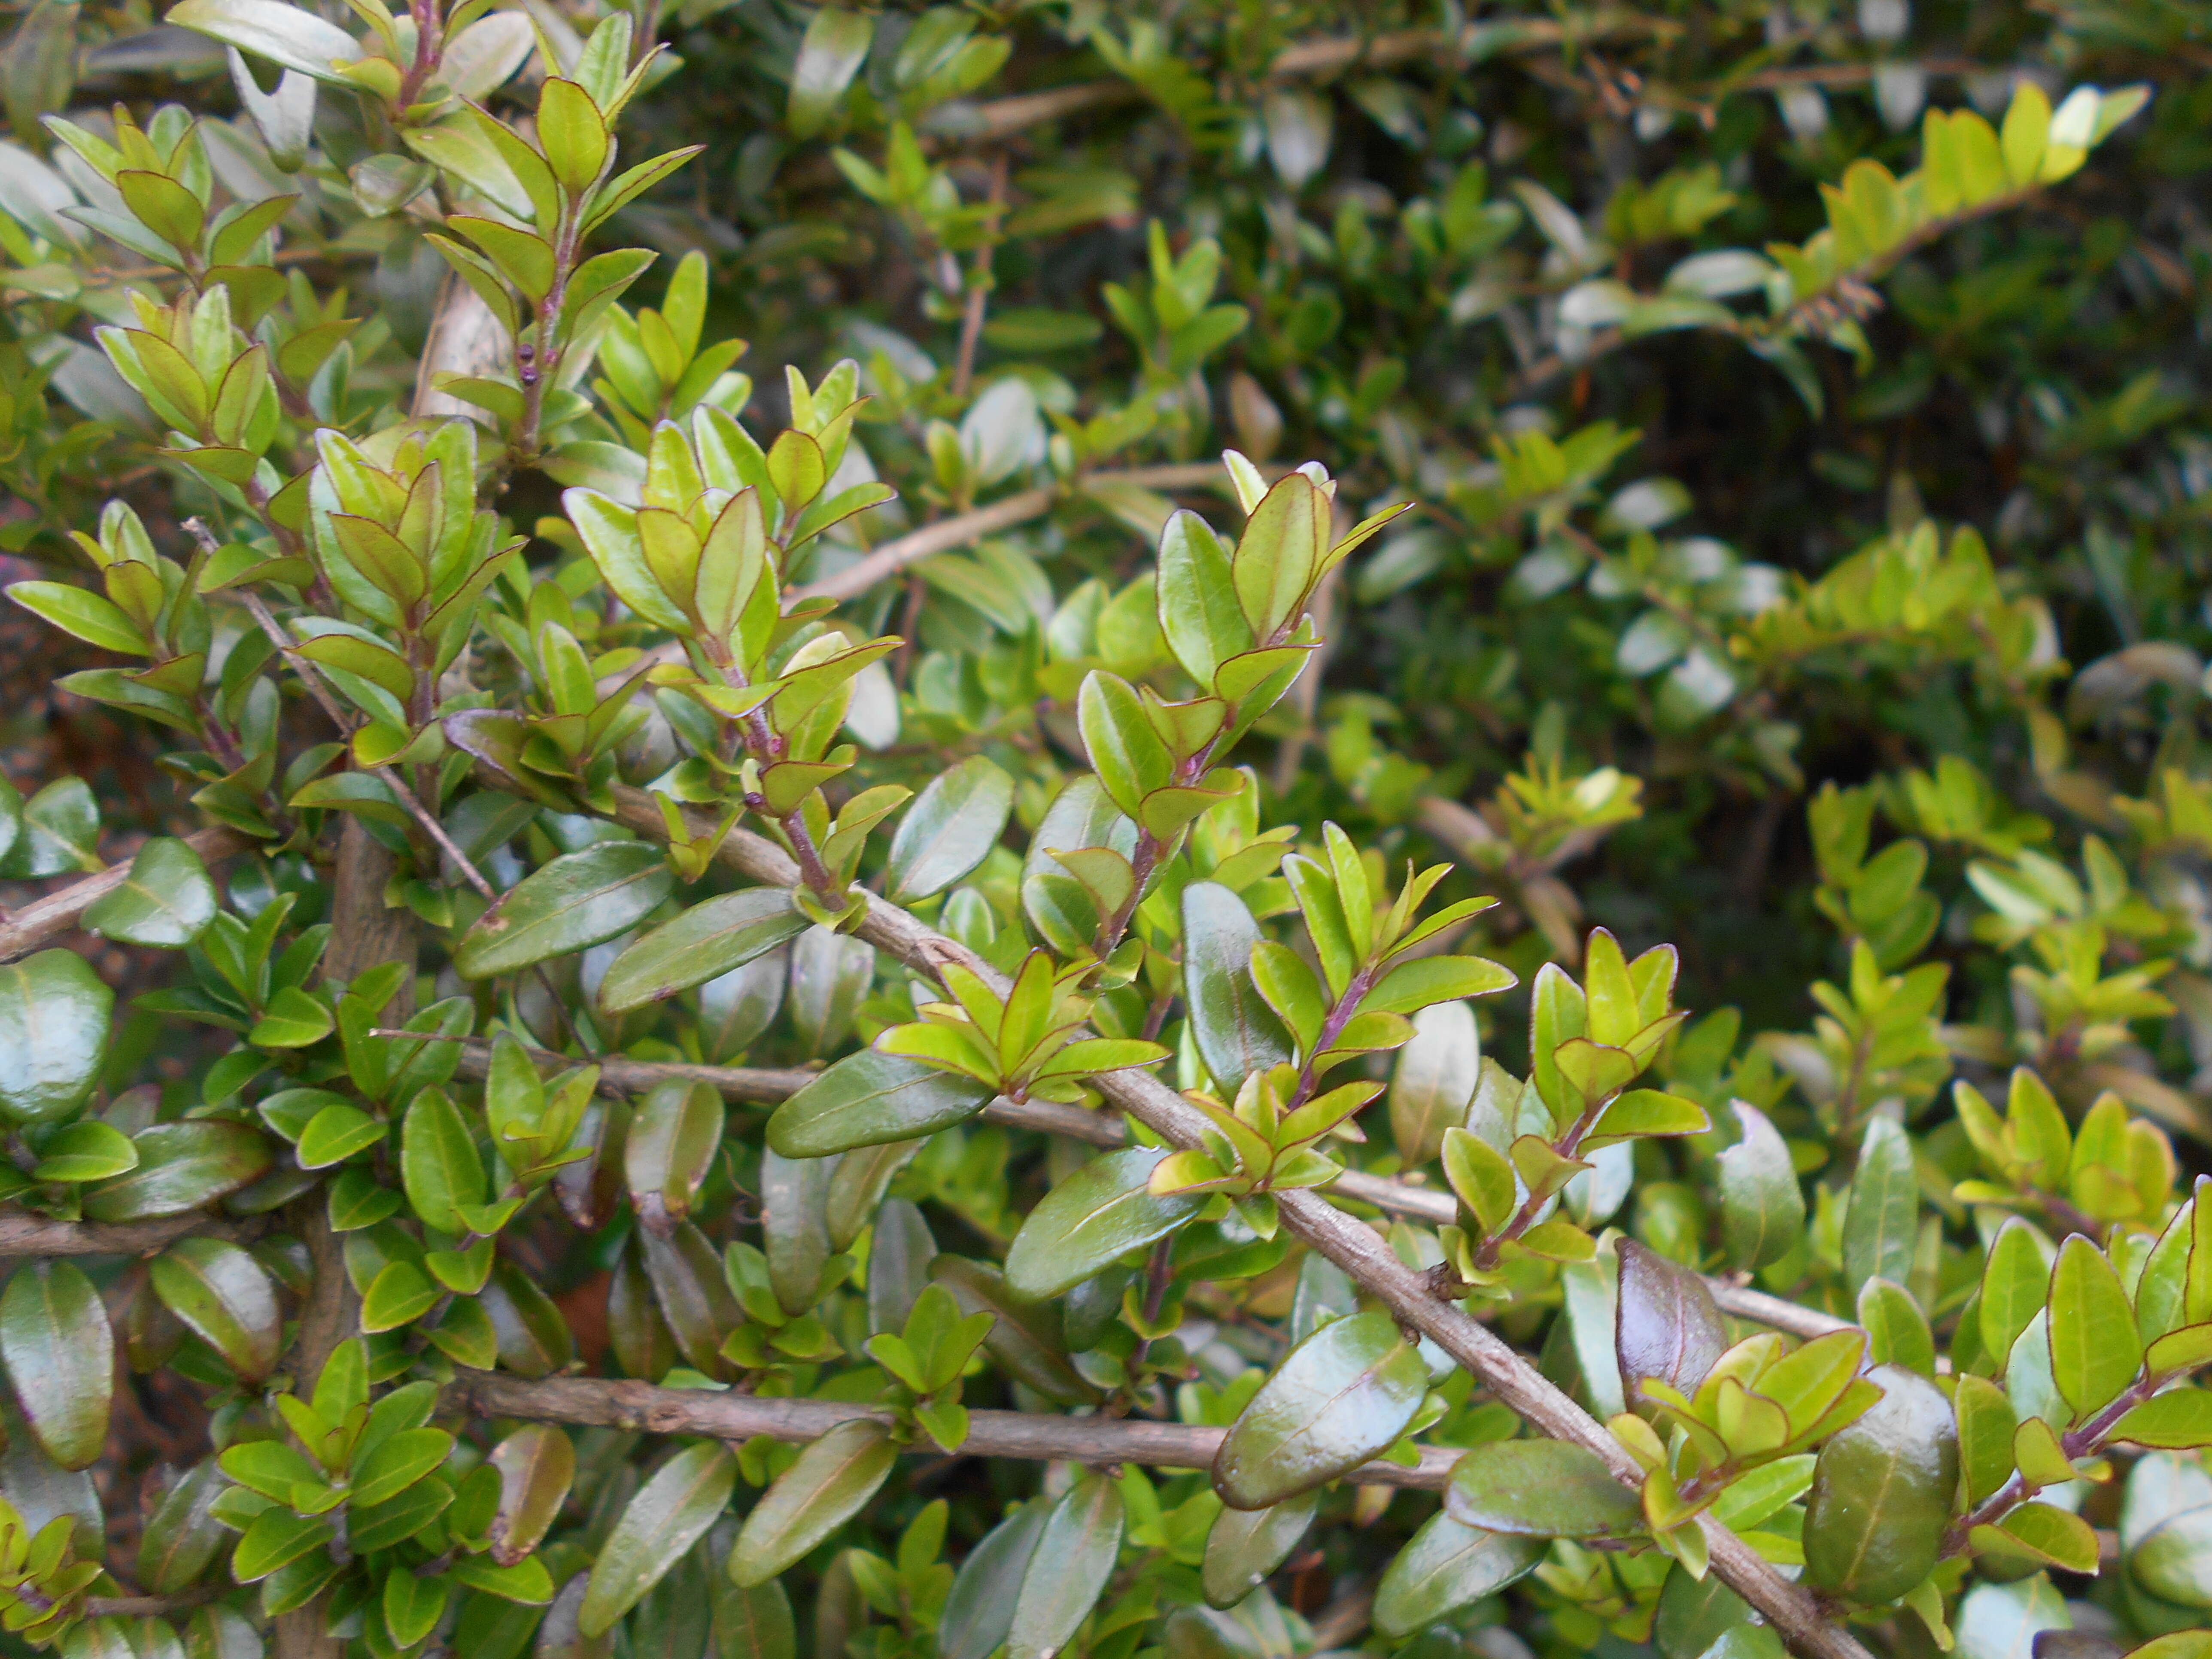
{"x":671,"y":1513}
{"x":1762,"y":1207}
{"x":1341,"y":1397}
{"x":1235,"y":1031}
{"x":1244,"y":1546}
{"x":60,"y":1354}
{"x":705,"y":942}
{"x":1445,"y":1566}
{"x":868,"y":1098}
{"x":830,"y":1484}
{"x":54,"y":1014}
{"x":165,"y":900}
{"x":1881,"y":1494}
{"x":1542,"y":1489}
{"x":947,"y":831}
{"x":1027,"y":1341}
{"x":1074,"y":1559}
{"x":979,"y":1608}
{"x":1104,"y":1210}
{"x":181,"y":1166}
{"x":226,"y":1299}
{"x":753,"y":1623}
{"x":576,"y":901}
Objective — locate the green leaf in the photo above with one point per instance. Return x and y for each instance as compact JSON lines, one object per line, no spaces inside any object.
{"x":2095,"y":1350}
{"x":1278,"y":557}
{"x":1198,"y":611}
{"x":181,"y":1166}
{"x":96,"y":621}
{"x":182,"y":1536}
{"x":1762,"y":1206}
{"x":87,"y":1150}
{"x":671,"y":1513}
{"x":370,"y":1528}
{"x":572,"y":903}
{"x":1414,"y":985}
{"x":293,"y":1020}
{"x":60,"y":1354}
{"x":1237,"y":1033}
{"x":1881,"y":1494}
{"x":1243,"y":1547}
{"x":1896,"y":1330}
{"x":398,"y":1462}
{"x":1340,"y":1398}
{"x":1026,"y":1340}
{"x":1128,"y":755}
{"x":674,"y":1134}
{"x":276,"y":1538}
{"x":1434,"y":1082}
{"x":336,"y":1134}
{"x":1074,"y":1561}
{"x":412,"y":1605}
{"x":979,"y":1610}
{"x":1101,"y":1211}
{"x":831,"y":1482}
{"x":950,"y":830}
{"x":705,"y":942}
{"x":54,"y":1013}
{"x":1542,"y":1489}
{"x":284,"y":34}
{"x":439,"y":1162}
{"x":536,"y":1465}
{"x":1882,"y":1224}
{"x":1445,"y":1566}
{"x":829,"y":55}
{"x":2181,"y":1418}
{"x":2015,"y":1285}
{"x":165,"y":900}
{"x":753,"y":1623}
{"x":226,"y":1300}
{"x":869,"y":1098}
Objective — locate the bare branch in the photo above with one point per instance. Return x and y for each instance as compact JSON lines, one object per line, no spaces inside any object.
{"x":39,"y":1235}
{"x":58,"y":913}
{"x":1038,"y":1435}
{"x":967,"y":528}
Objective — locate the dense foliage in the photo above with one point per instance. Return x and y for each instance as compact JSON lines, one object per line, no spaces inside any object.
{"x":1405,"y":849}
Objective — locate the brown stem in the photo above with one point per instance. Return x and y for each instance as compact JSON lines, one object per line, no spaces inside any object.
{"x":979,"y":289}
{"x":737,"y":1418}
{"x":41,"y":1236}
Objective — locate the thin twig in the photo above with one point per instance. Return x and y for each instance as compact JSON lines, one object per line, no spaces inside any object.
{"x":24,"y":1235}
{"x":1041,"y":1435}
{"x":979,"y":285}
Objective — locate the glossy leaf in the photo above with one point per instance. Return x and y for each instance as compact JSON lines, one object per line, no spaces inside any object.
{"x":1881,"y":1494}
{"x":165,"y":898}
{"x":671,"y":1513}
{"x":1101,"y":1211}
{"x":54,"y":1014}
{"x":708,"y":940}
{"x":1074,"y":1559}
{"x":1244,"y":1546}
{"x":948,"y":830}
{"x":1235,"y":1031}
{"x":1540,"y":1489}
{"x":60,"y":1353}
{"x":1445,"y":1566}
{"x":832,"y":1480}
{"x":1762,"y":1207}
{"x":868,"y":1098}
{"x":1341,"y":1397}
{"x":574,"y":902}
{"x":226,"y":1298}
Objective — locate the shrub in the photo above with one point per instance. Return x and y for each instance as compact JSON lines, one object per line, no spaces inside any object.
{"x":823,"y":1018}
